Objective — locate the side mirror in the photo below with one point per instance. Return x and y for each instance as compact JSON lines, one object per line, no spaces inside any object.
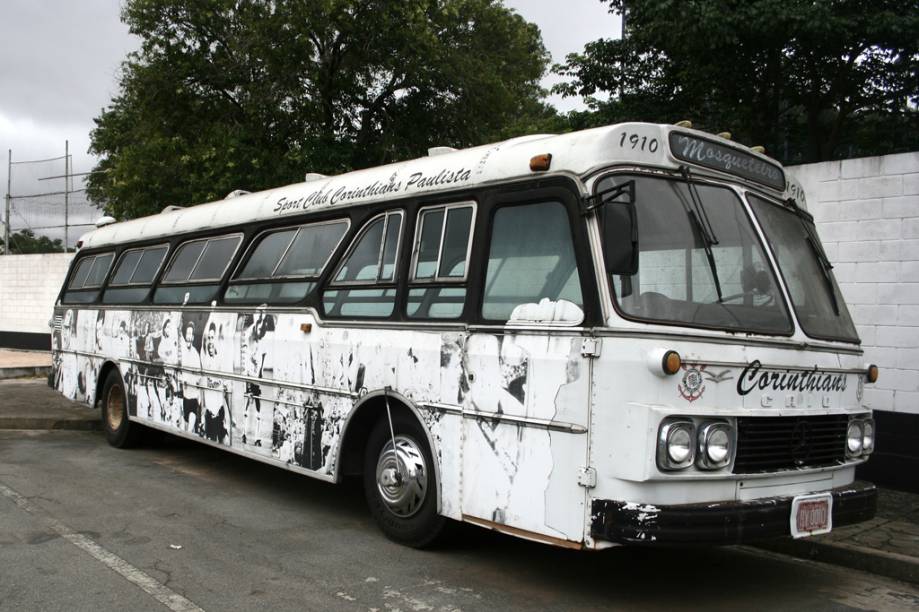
{"x":619,"y":228}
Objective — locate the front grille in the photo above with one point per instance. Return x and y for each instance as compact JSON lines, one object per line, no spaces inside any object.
{"x":771,"y":444}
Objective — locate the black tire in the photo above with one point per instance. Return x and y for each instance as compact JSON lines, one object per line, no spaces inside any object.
{"x":420,"y":525}
{"x":119,"y":430}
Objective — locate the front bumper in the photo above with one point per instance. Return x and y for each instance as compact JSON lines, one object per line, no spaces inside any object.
{"x":719,"y":522}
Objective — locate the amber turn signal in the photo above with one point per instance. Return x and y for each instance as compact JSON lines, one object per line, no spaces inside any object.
{"x":540,"y":163}
{"x":306,"y":327}
{"x":671,"y":362}
{"x":872,"y":373}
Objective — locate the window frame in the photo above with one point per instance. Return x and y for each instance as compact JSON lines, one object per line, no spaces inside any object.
{"x":581,"y":264}
{"x":256,"y":240}
{"x":91,"y":266}
{"x":201,"y":281}
{"x":394,"y":281}
{"x":416,"y":247}
{"x":780,"y":273}
{"x":737,"y":190}
{"x":156,"y":274}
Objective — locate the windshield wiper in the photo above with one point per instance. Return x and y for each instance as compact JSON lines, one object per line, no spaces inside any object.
{"x":811,"y":238}
{"x":697,"y":214}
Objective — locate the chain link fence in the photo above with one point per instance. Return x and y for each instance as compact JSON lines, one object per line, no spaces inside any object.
{"x":46,"y":206}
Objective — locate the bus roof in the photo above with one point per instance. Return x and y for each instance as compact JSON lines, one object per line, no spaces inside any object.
{"x":575,"y":153}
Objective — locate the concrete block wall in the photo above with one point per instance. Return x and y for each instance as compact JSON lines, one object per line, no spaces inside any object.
{"x":29,"y":284}
{"x":867,"y":213}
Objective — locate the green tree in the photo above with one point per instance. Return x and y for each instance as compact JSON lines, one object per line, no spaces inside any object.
{"x":25,"y":241}
{"x":227,"y":94}
{"x":809,"y":80}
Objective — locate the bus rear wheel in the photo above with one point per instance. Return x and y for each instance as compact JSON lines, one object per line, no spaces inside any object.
{"x":119,"y":430}
{"x":400,"y":484}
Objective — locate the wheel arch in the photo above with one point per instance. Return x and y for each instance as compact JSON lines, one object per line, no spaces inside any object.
{"x":104,"y":370}
{"x":358,"y":424}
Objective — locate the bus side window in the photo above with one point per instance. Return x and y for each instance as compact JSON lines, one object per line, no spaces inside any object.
{"x":134,"y":275}
{"x":364,"y":284}
{"x":531,"y":258}
{"x":87,"y":278}
{"x":284,"y":264}
{"x":441,"y":256}
{"x":196,"y":269}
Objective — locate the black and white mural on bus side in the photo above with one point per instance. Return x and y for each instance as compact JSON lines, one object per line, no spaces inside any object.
{"x":171,"y":361}
{"x":256,"y":381}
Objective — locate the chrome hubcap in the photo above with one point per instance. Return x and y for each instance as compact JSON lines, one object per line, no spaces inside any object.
{"x":402,"y":476}
{"x":114,"y":407}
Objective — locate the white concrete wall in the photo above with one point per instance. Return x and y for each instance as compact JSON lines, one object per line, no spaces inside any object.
{"x":29,"y":284}
{"x":867,"y":213}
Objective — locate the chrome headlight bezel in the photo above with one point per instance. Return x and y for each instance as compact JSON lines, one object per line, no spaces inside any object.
{"x":704,"y":459}
{"x":854,"y":438}
{"x":868,"y":438}
{"x":670,"y":428}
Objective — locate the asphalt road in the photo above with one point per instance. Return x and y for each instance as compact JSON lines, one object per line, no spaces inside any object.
{"x":86,"y":526}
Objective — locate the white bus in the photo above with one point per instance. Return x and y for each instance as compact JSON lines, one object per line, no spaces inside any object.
{"x":624,"y":335}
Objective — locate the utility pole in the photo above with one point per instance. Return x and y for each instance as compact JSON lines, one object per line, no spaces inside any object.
{"x":66,"y":193}
{"x":624,"y":13}
{"x":9,"y":178}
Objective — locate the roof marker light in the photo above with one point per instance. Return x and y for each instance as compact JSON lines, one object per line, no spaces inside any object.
{"x":541,"y":163}
{"x":725,"y":135}
{"x":685,"y":123}
{"x":759,"y":149}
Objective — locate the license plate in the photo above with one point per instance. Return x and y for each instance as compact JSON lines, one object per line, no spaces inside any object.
{"x":811,"y":515}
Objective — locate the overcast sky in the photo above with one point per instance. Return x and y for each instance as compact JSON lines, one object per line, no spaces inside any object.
{"x":61,"y":59}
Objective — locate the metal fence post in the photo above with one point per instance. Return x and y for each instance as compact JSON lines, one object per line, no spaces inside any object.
{"x":9,"y":182}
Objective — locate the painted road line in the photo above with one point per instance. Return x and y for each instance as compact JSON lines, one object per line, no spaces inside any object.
{"x":147,"y":583}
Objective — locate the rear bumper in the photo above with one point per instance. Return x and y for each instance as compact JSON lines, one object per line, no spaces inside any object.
{"x":720,"y":522}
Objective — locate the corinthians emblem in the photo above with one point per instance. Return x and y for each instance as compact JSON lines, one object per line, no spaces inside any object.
{"x":692,"y":386}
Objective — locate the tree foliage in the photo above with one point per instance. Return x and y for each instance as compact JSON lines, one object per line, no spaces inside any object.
{"x":25,"y":242}
{"x":810,"y":80}
{"x":227,"y":94}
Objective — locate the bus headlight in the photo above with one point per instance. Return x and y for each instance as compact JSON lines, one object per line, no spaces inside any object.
{"x":868,"y":436}
{"x":675,"y":444}
{"x":854,"y":438}
{"x":715,"y":445}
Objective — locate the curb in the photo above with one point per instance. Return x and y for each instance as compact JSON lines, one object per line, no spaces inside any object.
{"x":883,"y":563}
{"x":26,"y":372}
{"x":71,"y":424}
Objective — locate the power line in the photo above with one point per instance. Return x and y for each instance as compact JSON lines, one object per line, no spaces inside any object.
{"x":50,"y":193}
{"x":36,"y":161}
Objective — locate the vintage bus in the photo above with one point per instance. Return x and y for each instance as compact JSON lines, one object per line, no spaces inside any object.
{"x":624,"y":335}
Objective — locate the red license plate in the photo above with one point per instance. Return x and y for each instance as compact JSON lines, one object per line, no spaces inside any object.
{"x":811,"y":514}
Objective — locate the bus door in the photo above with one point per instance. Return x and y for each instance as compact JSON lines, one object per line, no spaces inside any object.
{"x":527,"y":405}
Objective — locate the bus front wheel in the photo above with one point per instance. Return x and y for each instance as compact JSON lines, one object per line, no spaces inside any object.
{"x":119,"y":430}
{"x":399,"y":482}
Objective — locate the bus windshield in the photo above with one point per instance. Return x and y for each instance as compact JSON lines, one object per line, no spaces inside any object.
{"x":700,"y":262}
{"x":815,"y":295}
